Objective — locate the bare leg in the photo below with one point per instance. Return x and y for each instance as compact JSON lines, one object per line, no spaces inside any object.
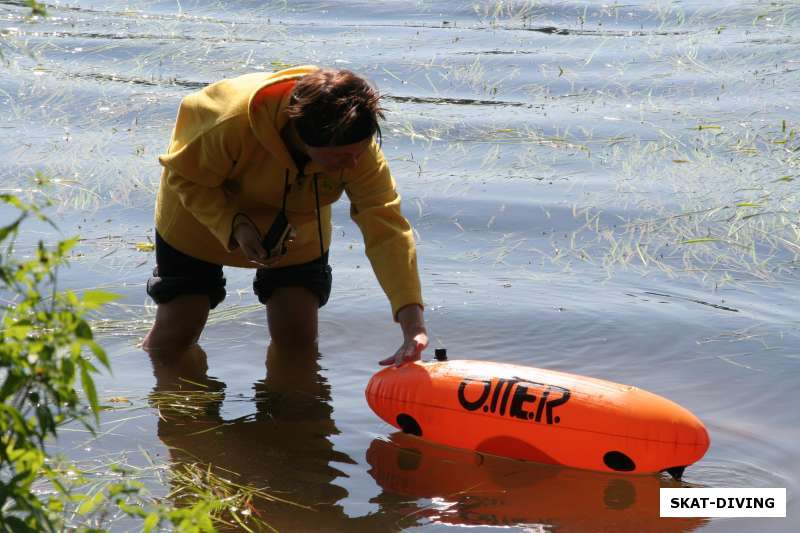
{"x":292,"y":318}
{"x":178,"y":325}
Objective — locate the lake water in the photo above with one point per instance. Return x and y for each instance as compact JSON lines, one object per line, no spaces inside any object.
{"x":598,"y":188}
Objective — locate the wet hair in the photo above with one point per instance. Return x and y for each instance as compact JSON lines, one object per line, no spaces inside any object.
{"x":331,"y":107}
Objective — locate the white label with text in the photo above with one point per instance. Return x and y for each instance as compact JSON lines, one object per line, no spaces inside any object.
{"x":724,"y":502}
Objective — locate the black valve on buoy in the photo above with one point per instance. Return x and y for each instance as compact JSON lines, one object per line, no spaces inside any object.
{"x":440,"y":354}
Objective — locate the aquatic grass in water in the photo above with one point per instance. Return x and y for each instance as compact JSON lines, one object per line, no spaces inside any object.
{"x":726,"y":207}
{"x":726,"y":222}
{"x":140,"y":317}
{"x":209,"y":498}
{"x":194,"y":488}
{"x":126,"y":183}
{"x":192,"y":402}
{"x":78,"y":145}
{"x":235,"y":503}
{"x":730,"y":213}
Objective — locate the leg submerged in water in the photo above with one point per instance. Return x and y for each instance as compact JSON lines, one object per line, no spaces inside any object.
{"x":293,"y":322}
{"x":178,"y":324}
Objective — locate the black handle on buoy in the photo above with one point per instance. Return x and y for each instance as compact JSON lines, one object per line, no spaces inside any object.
{"x":440,"y":354}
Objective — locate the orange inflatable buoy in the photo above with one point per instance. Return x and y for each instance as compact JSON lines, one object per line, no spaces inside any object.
{"x":539,"y":415}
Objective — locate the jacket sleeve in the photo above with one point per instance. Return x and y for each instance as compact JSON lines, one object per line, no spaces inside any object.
{"x":197,"y":163}
{"x":389,"y":241}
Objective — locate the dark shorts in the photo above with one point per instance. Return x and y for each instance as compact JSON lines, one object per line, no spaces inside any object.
{"x":176,"y":274}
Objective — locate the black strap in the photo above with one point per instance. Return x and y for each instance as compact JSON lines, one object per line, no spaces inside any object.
{"x":283,"y":206}
{"x":286,"y":189}
{"x":301,"y":174}
{"x":319,"y":217}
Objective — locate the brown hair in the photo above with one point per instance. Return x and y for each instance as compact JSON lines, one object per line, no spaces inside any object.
{"x":331,"y":107}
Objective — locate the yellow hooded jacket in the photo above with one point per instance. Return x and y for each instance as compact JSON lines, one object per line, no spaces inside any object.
{"x":226,"y":157}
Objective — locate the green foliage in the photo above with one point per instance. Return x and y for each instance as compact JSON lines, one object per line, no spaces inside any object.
{"x":43,"y":342}
{"x":46,"y":347}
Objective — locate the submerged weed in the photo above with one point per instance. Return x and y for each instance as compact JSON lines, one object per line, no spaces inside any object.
{"x":235,"y":504}
{"x":37,"y":8}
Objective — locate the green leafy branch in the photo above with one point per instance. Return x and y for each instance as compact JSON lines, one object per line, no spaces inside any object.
{"x":46,"y":346}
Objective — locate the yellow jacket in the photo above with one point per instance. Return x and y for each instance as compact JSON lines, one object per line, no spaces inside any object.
{"x":226,"y":157}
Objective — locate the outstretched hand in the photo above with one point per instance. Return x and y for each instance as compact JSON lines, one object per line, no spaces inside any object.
{"x":415,"y":336}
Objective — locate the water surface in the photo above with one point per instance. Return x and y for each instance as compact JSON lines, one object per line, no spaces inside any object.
{"x":603,"y":189}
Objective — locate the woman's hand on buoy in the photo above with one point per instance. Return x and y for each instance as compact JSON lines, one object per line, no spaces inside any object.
{"x":415,"y":336}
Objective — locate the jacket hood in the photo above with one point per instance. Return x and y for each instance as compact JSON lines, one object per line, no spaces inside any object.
{"x":267,"y":111}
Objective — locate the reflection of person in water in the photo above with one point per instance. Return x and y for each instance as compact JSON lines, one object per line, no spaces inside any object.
{"x":283,"y":447}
